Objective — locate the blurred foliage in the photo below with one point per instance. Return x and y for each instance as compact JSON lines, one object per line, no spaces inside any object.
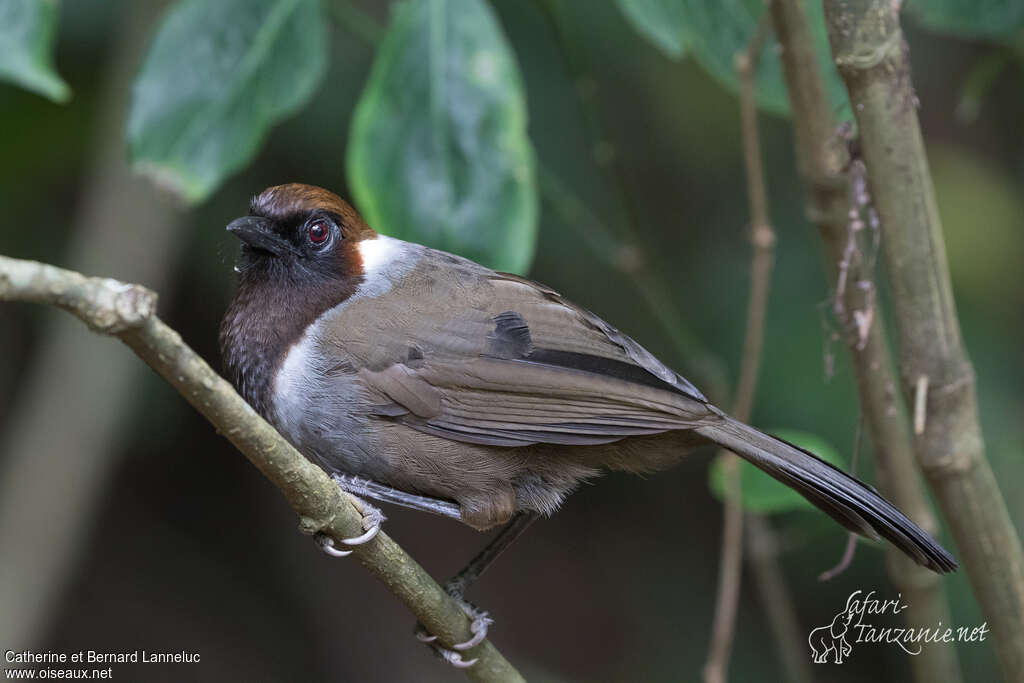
{"x":970,"y":18}
{"x":217,"y":75}
{"x":760,"y":493}
{"x":981,"y":79}
{"x":985,"y":249}
{"x":716,"y":31}
{"x":438,"y":152}
{"x":664,"y":22}
{"x":27,"y":31}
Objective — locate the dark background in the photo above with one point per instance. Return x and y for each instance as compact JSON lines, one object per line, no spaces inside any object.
{"x":183,"y":545}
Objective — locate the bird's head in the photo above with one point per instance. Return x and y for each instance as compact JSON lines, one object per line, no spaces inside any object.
{"x":300,"y":232}
{"x":300,"y":257}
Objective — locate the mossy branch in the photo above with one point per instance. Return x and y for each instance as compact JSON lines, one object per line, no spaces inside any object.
{"x":128,"y":312}
{"x":936,"y":376}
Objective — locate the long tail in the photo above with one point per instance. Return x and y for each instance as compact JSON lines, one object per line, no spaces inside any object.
{"x":855,"y":505}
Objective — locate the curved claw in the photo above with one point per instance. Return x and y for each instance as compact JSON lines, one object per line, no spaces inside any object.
{"x":327,"y":545}
{"x":481,"y":622}
{"x":456,"y":660}
{"x":424,"y":637}
{"x":451,"y":656}
{"x":363,"y":538}
{"x":371,"y":516}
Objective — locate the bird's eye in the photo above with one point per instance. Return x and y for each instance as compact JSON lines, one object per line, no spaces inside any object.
{"x":318,"y":232}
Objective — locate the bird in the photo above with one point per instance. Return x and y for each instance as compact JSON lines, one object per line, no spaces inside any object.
{"x":419,"y":377}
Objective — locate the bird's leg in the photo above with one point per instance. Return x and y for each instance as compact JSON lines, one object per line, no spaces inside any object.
{"x":385,"y":494}
{"x":458,"y":584}
{"x":372,"y":517}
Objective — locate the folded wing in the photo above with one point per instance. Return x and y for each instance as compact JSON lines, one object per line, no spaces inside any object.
{"x":520,"y":366}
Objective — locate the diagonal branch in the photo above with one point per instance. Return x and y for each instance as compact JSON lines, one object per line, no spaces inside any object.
{"x":128,"y":312}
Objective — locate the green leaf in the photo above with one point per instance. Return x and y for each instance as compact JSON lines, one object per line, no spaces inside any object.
{"x":761,"y":493}
{"x":970,"y":18}
{"x":217,"y":76}
{"x":663,"y":22}
{"x":438,"y":152}
{"x":27,"y":31}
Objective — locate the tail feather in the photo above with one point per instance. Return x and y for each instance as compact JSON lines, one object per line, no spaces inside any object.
{"x":855,"y":505}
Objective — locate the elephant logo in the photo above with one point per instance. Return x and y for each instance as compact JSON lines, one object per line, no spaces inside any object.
{"x":831,"y":639}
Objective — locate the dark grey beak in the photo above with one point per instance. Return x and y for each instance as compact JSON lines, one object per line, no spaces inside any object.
{"x":258,"y":233}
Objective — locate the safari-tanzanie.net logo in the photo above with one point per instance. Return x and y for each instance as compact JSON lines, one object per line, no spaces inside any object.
{"x":865,"y":620}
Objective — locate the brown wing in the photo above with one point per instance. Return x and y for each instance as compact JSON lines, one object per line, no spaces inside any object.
{"x":636,"y":354}
{"x":483,"y":357}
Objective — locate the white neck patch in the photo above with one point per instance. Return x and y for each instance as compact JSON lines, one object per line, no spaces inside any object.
{"x":385,"y":260}
{"x":376,"y":253}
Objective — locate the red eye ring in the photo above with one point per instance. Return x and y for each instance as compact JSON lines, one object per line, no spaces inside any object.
{"x":319,"y":232}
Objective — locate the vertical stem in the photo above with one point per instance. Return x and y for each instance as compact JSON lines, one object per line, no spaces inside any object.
{"x":762,"y":549}
{"x":872,"y":57}
{"x":762,"y":238}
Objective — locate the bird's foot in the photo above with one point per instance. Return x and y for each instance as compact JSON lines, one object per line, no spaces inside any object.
{"x":482,"y":621}
{"x":372,"y":520}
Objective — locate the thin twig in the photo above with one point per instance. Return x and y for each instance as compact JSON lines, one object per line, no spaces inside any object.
{"x":128,"y":312}
{"x":844,"y":561}
{"x":762,"y":552}
{"x":762,"y":237}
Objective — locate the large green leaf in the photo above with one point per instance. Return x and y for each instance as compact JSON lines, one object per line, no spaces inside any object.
{"x":663,"y":22}
{"x":27,"y":31}
{"x":761,"y":493}
{"x":217,"y":76}
{"x":438,"y":151}
{"x":970,"y":18}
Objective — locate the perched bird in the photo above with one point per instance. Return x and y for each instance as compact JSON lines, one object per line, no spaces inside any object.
{"x":423,"y":378}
